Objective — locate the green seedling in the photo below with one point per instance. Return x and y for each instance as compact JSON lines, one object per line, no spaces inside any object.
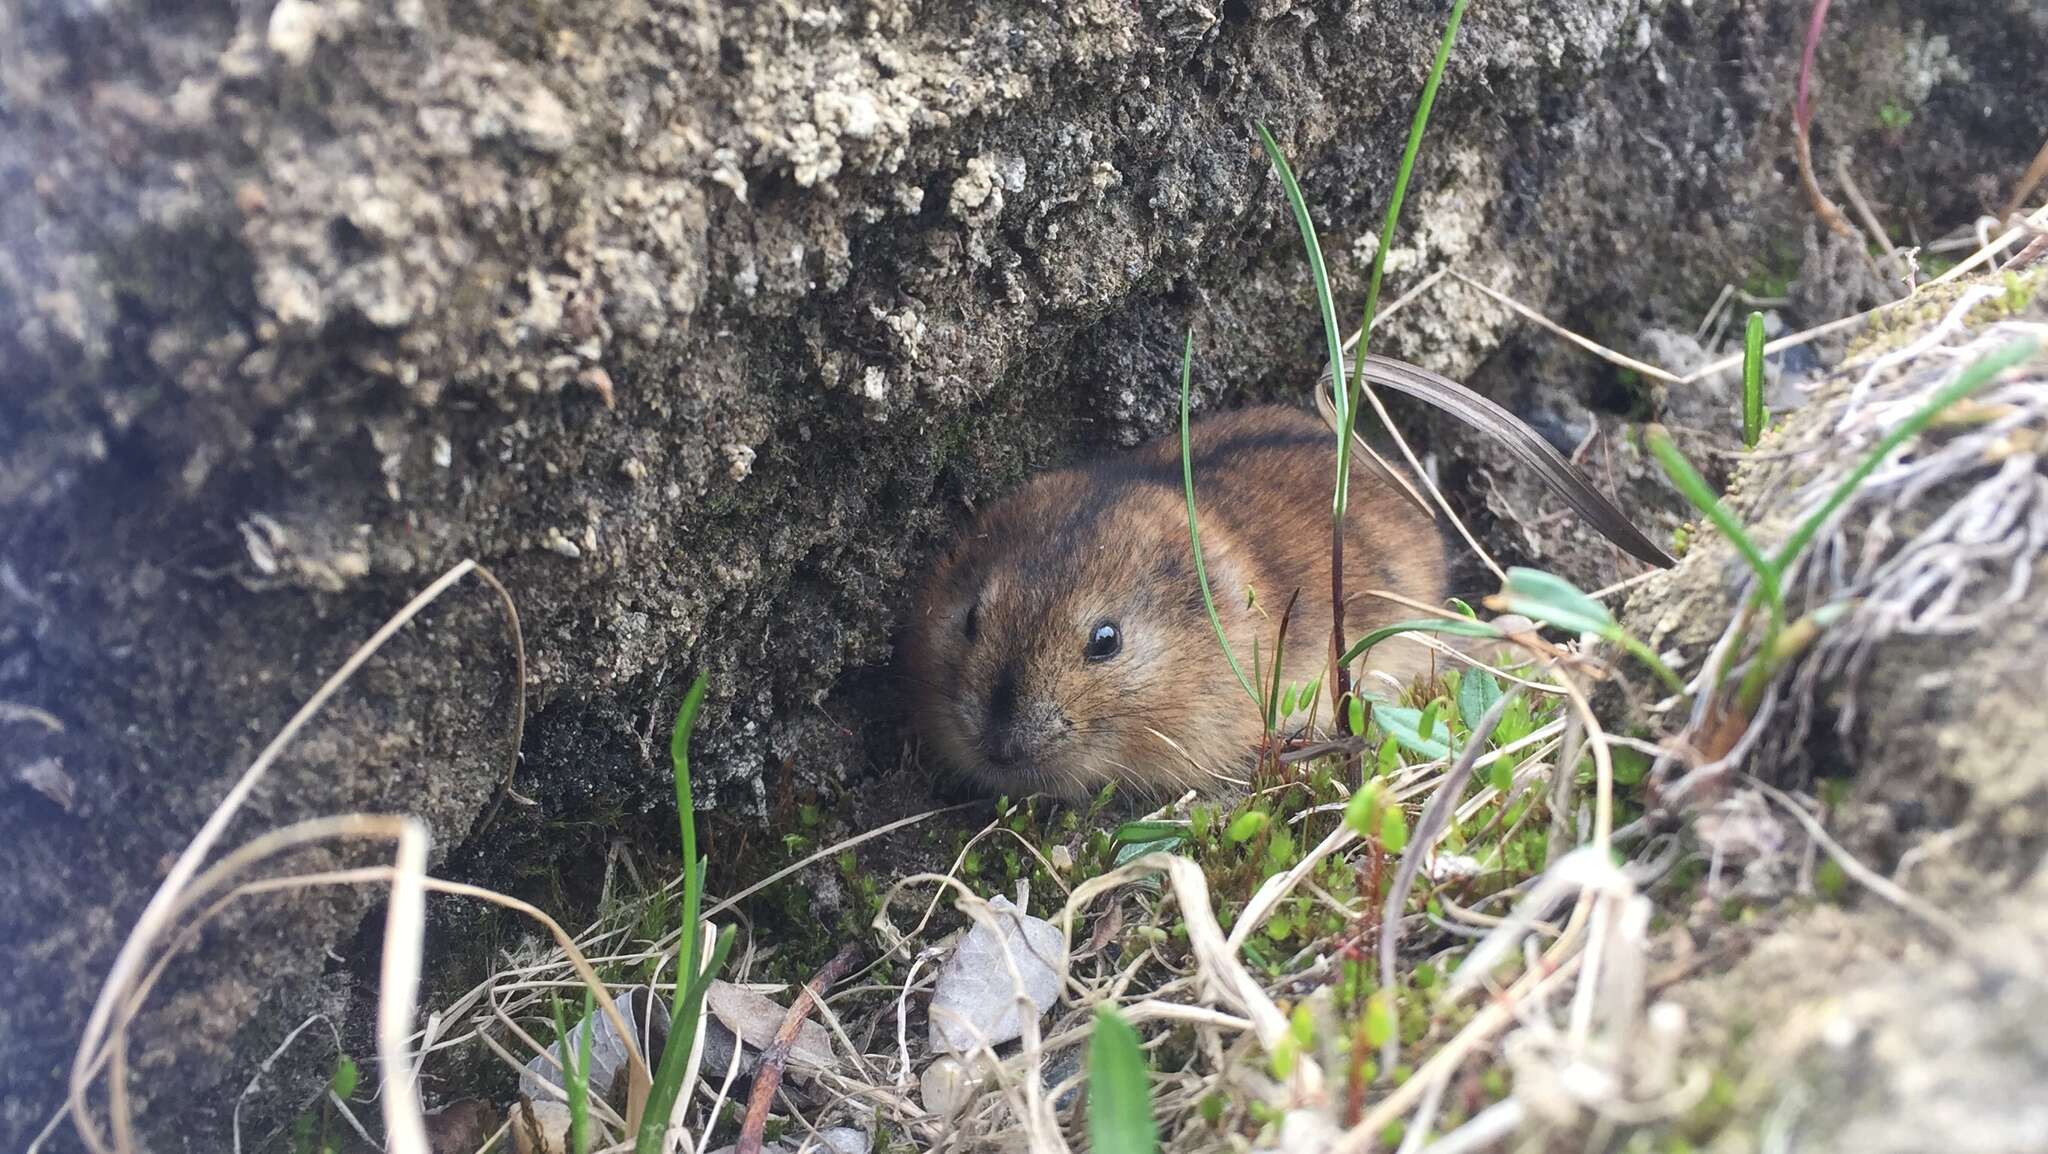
{"x":1753,"y":415}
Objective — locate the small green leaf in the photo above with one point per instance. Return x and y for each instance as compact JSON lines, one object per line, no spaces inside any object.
{"x":1830,"y":879}
{"x":346,"y":1075}
{"x":1630,"y":765}
{"x":1287,"y":701}
{"x":1211,"y":1108}
{"x":1362,"y":812}
{"x":1379,"y":1019}
{"x":1405,"y":726}
{"x":1753,"y":380}
{"x":1119,"y":1088}
{"x":1551,"y":599}
{"x":1477,"y":691}
{"x":1280,"y":849}
{"x":1285,"y":1057}
{"x":1389,"y":757}
{"x":1302,"y":1025}
{"x":1132,"y":832}
{"x":1393,"y":830}
{"x":1501,"y":776}
{"x":1355,"y":711}
{"x":1246,"y":826}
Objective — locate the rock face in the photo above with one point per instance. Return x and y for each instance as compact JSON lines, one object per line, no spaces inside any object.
{"x":699,"y":324}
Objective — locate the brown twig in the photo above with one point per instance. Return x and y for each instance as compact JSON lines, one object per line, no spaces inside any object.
{"x":1802,"y":121}
{"x":769,"y":1076}
{"x":2035,"y":174}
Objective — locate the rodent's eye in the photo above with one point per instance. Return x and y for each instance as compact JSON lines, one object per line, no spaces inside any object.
{"x":1104,"y":642}
{"x":972,"y":625}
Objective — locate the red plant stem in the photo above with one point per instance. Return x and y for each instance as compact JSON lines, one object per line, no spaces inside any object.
{"x":768,"y":1077}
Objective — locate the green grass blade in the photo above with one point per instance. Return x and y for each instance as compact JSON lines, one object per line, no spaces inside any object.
{"x":1119,"y":1089}
{"x":1187,"y":472}
{"x":1400,"y":194}
{"x":575,"y":1072}
{"x":1753,"y":381}
{"x":1459,"y":626}
{"x":690,"y":981}
{"x":1321,"y":276}
{"x":1969,"y":381}
{"x":1702,"y":496}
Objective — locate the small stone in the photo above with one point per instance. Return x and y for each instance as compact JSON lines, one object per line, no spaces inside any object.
{"x":598,"y":381}
{"x":739,"y":461}
{"x":945,"y":1086}
{"x":293,"y":30}
{"x":556,"y":542}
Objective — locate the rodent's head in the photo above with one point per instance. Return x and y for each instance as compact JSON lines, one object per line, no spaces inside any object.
{"x":1064,"y":640}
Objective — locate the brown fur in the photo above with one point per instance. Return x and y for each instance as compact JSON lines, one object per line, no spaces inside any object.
{"x":1108,"y":541}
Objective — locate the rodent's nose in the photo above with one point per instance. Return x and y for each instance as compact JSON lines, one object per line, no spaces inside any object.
{"x":1002,"y":699}
{"x":1004,"y":739}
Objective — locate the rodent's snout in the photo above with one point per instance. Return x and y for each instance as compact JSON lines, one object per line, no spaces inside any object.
{"x":1016,"y":727}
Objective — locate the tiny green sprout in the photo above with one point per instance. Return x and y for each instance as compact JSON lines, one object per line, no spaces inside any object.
{"x":1302,"y":1025}
{"x":1830,"y":880}
{"x":1279,"y":927}
{"x":1631,"y":766}
{"x":1355,"y":712}
{"x":1102,"y":799}
{"x":808,"y":815}
{"x":1501,"y":776}
{"x":1832,"y":791}
{"x":1389,"y":757}
{"x":1379,"y":1019}
{"x":1211,"y":1109}
{"x":1753,"y":415}
{"x":1201,"y":820}
{"x":1286,"y":1055}
{"x":1458,"y":606}
{"x":1894,"y":116}
{"x":1393,"y":830}
{"x":1361,"y":813}
{"x":343,"y":1082}
{"x":1425,"y":976}
{"x":1280,"y":849}
{"x":1494,"y":1082}
{"x":1392,"y":1133}
{"x":1246,"y":826}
